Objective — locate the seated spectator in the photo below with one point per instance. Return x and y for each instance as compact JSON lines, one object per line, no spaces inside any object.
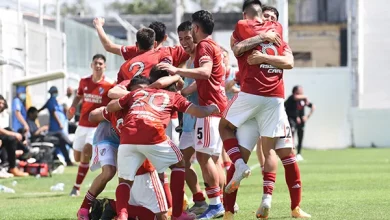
{"x":40,"y":134}
{"x":9,"y":141}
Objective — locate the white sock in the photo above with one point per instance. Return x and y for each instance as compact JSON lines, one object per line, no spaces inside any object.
{"x":215,"y":200}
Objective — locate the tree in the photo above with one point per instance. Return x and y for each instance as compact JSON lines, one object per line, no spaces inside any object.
{"x":80,"y":8}
{"x":142,"y":7}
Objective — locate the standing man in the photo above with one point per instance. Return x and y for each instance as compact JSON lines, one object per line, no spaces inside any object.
{"x":209,"y":75}
{"x":295,"y":109}
{"x":93,"y":92}
{"x":19,"y":113}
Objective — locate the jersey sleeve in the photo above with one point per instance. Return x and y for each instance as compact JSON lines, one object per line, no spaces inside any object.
{"x":240,"y":27}
{"x":106,"y":115}
{"x":165,"y":57}
{"x":124,"y":102}
{"x":80,"y":90}
{"x":204,"y":53}
{"x":286,"y":48}
{"x":129,"y":52}
{"x":179,"y":56}
{"x":180,"y":103}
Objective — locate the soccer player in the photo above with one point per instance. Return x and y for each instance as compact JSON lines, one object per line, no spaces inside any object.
{"x":262,"y":99}
{"x":149,"y":112}
{"x":209,"y":75}
{"x":92,"y":92}
{"x":295,"y":109}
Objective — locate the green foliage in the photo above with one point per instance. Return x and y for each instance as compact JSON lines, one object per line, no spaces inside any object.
{"x":142,"y":7}
{"x":78,"y":8}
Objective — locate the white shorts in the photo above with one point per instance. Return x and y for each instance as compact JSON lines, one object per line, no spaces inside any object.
{"x":206,"y":136}
{"x":83,"y":135}
{"x":269,"y":113}
{"x":170,"y":131}
{"x":186,"y":140}
{"x":131,"y":157}
{"x":147,"y":191}
{"x":103,"y":154}
{"x":248,"y":134}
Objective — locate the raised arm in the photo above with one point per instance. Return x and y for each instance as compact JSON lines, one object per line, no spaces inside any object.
{"x":108,"y":45}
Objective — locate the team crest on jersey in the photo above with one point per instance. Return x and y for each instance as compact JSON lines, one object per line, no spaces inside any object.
{"x":269,"y":49}
{"x":101,"y":90}
{"x":103,"y":151}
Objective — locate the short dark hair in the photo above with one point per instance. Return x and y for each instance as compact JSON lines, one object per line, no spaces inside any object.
{"x":146,"y":38}
{"x":250,"y":2}
{"x":31,"y":110}
{"x":205,"y":20}
{"x":156,"y":73}
{"x":185,"y":26}
{"x":99,"y":56}
{"x":295,"y":88}
{"x":159,"y":29}
{"x":138,"y":80}
{"x":5,"y":101}
{"x":271,"y":8}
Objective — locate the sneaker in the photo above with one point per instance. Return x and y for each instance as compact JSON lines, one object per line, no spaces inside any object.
{"x":299,"y":213}
{"x":18,"y":173}
{"x":265,"y":207}
{"x":184,"y":216}
{"x":214,"y":211}
{"x":82,"y":214}
{"x":236,"y":207}
{"x":5,"y":175}
{"x":242,"y":171}
{"x":74,"y":192}
{"x":199,"y":207}
{"x":228,"y":216}
{"x":299,"y":157}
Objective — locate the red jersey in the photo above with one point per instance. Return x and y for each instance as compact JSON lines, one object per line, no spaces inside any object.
{"x":142,"y":64}
{"x":116,"y":120}
{"x":148,"y":114}
{"x":264,"y":79}
{"x":94,"y":96}
{"x":212,"y":90}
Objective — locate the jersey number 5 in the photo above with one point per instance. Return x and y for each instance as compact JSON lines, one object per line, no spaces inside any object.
{"x":147,"y":98}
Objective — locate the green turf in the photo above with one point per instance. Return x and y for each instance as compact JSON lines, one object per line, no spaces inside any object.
{"x":337,"y":184}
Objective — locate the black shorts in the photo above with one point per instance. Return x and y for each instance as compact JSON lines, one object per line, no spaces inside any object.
{"x":294,"y":125}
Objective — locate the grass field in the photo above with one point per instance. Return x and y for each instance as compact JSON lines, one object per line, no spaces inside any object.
{"x":337,"y":184}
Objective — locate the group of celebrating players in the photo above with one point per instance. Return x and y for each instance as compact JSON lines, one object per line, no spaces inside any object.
{"x":129,"y":127}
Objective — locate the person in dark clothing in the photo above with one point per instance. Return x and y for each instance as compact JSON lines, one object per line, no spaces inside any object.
{"x":295,"y":109}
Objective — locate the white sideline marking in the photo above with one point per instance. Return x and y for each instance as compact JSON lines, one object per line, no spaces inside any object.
{"x":254,"y":166}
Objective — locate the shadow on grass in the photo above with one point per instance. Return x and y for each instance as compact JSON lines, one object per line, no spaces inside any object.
{"x":38,"y":196}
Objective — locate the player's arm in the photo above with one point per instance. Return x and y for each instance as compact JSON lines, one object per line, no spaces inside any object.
{"x":96,"y":115}
{"x":108,"y":45}
{"x":117,"y":92}
{"x":202,"y":72}
{"x":312,"y":108}
{"x":119,"y":104}
{"x":189,"y":89}
{"x":72,"y":109}
{"x":202,"y":111}
{"x":283,"y":62}
{"x":239,"y":48}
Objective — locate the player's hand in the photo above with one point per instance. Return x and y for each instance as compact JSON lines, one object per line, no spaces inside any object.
{"x":168,"y":67}
{"x":70,"y":113}
{"x":98,"y":22}
{"x":18,"y":136}
{"x":304,"y":118}
{"x":272,"y":37}
{"x":255,"y":58}
{"x":299,"y":120}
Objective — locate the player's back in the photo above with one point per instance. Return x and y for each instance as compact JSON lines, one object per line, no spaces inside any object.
{"x":94,"y":96}
{"x":263,"y":79}
{"x":211,"y":90}
{"x":149,"y":113}
{"x":142,"y":64}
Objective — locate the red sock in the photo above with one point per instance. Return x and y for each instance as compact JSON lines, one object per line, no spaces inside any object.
{"x":232,"y":149}
{"x":213,"y":194}
{"x":293,"y":180}
{"x":230,"y":199}
{"x":139,"y":212}
{"x":178,"y":176}
{"x":198,"y":197}
{"x":89,"y":197}
{"x":268,"y":183}
{"x":81,"y":174}
{"x":167,"y":190}
{"x":122,"y":195}
{"x":227,"y":165}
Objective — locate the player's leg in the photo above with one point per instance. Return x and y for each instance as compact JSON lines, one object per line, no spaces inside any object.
{"x":226,"y":160}
{"x":186,"y":147}
{"x":221,"y":171}
{"x":164,"y":178}
{"x":78,"y":149}
{"x":162,"y":156}
{"x":260,"y":155}
{"x":207,"y":144}
{"x":129,"y":161}
{"x":104,"y":157}
{"x":300,"y":132}
{"x":247,"y":135}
